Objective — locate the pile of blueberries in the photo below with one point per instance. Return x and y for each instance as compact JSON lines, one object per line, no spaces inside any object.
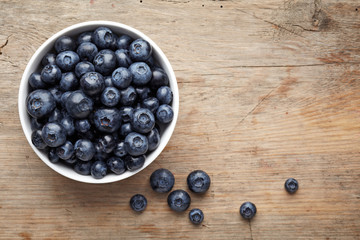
{"x":99,"y":102}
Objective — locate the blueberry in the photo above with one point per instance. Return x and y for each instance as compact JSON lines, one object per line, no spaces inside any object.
{"x":63,"y":99}
{"x":123,"y":42}
{"x":92,"y":83}
{"x":164,"y":94}
{"x":121,"y":77}
{"x":150,"y":103}
{"x":84,"y":149}
{"x":57,"y":93}
{"x":68,"y":124}
{"x":65,"y":151}
{"x":291,"y":185}
{"x":103,"y":37}
{"x":40,"y":103}
{"x":71,"y":161}
{"x":143,"y":120}
{"x":125,"y":129}
{"x":78,"y":105}
{"x":119,"y":149}
{"x":107,"y":120}
{"x":51,"y":74}
{"x":164,"y":114}
{"x":110,"y":97}
{"x":53,"y":134}
{"x":36,"y":124}
{"x":87,"y":51}
{"x":162,"y":180}
{"x":98,"y":169}
{"x":49,"y":58}
{"x":153,"y":139}
{"x":196,"y":216}
{"x":64,"y":43}
{"x":123,"y":58}
{"x":138,"y":203}
{"x":159,"y":78}
{"x":55,"y":116}
{"x":116,"y":165}
{"x":198,"y":181}
{"x":83,"y":67}
{"x":82,"y":125}
{"x":128,"y":96}
{"x":126,"y":114}
{"x":53,"y":157}
{"x":141,"y":73}
{"x":150,"y":62}
{"x":108,"y":81}
{"x":68,"y":81}
{"x":107,"y":143}
{"x":140,"y":50}
{"x":84,"y":37}
{"x":87,"y":135}
{"x":247,"y":210}
{"x":82,"y":167}
{"x":143,"y":92}
{"x":179,"y":200}
{"x":136,"y":144}
{"x":105,"y":61}
{"x":36,"y":82}
{"x":37,"y":140}
{"x":67,"y":60}
{"x":134,"y":163}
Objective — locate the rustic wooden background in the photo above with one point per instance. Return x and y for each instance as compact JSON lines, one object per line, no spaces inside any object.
{"x":269,"y":89}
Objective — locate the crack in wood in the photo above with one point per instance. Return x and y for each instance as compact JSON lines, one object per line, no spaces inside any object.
{"x":288,"y":65}
{"x":305,"y":29}
{"x":251,"y":235}
{"x":6,"y":42}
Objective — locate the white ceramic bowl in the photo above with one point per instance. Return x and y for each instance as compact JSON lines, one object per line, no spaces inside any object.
{"x":35,"y":64}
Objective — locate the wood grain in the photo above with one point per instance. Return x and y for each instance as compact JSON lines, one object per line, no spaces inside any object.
{"x":268,"y":90}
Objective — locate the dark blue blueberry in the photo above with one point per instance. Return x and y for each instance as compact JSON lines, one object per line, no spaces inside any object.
{"x":116,"y":165}
{"x":140,"y":50}
{"x":196,"y":216}
{"x":78,"y":105}
{"x":87,"y":135}
{"x":82,"y":167}
{"x":40,"y":103}
{"x":105,"y":62}
{"x":84,"y":149}
{"x":247,"y":210}
{"x":49,"y":58}
{"x":84,"y":37}
{"x":83,"y":67}
{"x":128,"y":96}
{"x":68,"y":81}
{"x":164,"y":94}
{"x":162,"y":180}
{"x":55,"y":116}
{"x":103,"y":37}
{"x":68,"y":124}
{"x":108,"y":81}
{"x":143,"y":120}
{"x":67,"y":60}
{"x":51,"y":74}
{"x":123,"y":58}
{"x":159,"y":78}
{"x":64,"y":43}
{"x":37,"y":140}
{"x":126,"y":114}
{"x":141,"y":73}
{"x":110,"y":97}
{"x":198,"y":181}
{"x":53,"y":157}
{"x":87,"y":51}
{"x":151,"y":62}
{"x":107,"y":143}
{"x":179,"y":200}
{"x":82,"y":125}
{"x":53,"y":134}
{"x":107,"y":120}
{"x":153,"y":139}
{"x":143,"y":92}
{"x":138,"y":203}
{"x":123,"y":42}
{"x":134,"y":163}
{"x":99,"y":153}
{"x":291,"y":185}
{"x":92,"y":83}
{"x":36,"y":82}
{"x":119,"y":149}
{"x":65,"y":151}
{"x":150,"y":103}
{"x":136,"y":144}
{"x":63,"y":99}
{"x":57,"y":93}
{"x":71,"y":161}
{"x":37,"y":124}
{"x":164,"y":114}
{"x":98,"y":169}
{"x":125,"y":129}
{"x":121,"y":77}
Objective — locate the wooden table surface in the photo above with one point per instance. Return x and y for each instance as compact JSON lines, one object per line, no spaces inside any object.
{"x":269,"y":89}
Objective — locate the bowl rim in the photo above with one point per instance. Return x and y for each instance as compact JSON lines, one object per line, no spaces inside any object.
{"x":23,"y":92}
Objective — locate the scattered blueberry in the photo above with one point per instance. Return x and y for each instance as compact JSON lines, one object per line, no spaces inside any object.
{"x":67,"y":60}
{"x":116,"y":165}
{"x":128,"y":96}
{"x":51,"y":74}
{"x":196,"y":216}
{"x":162,"y":180}
{"x":291,"y":185}
{"x":53,"y":134}
{"x":83,"y":67}
{"x":84,"y":149}
{"x":65,"y":151}
{"x":37,"y":140}
{"x":78,"y":105}
{"x":153,"y":139}
{"x":82,"y":167}
{"x":119,"y":149}
{"x":164,"y":95}
{"x":49,"y":58}
{"x":36,"y":82}
{"x":136,"y":144}
{"x":92,"y":83}
{"x":198,"y":181}
{"x":64,"y":43}
{"x":134,"y":163}
{"x":40,"y":103}
{"x":164,"y":114}
{"x":107,"y":120}
{"x":141,"y":73}
{"x":138,"y":203}
{"x":68,"y":81}
{"x":110,"y":97}
{"x":143,"y":120}
{"x":123,"y":58}
{"x":247,"y":210}
{"x":140,"y":50}
{"x":179,"y":200}
{"x":87,"y":51}
{"x":105,"y":62}
{"x":98,"y":169}
{"x":121,"y":77}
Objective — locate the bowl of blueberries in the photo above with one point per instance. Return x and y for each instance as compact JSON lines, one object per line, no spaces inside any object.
{"x":98,"y":102}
